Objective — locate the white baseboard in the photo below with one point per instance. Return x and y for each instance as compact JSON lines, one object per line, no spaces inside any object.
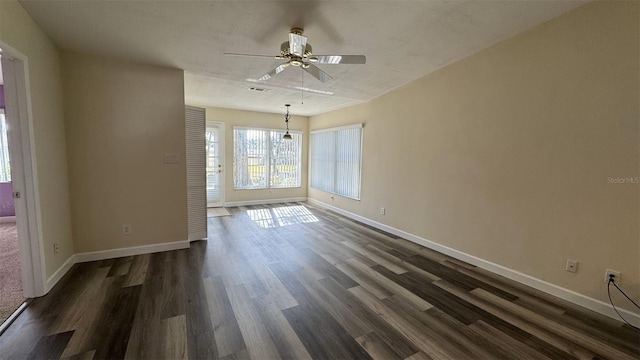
{"x":200,"y":235}
{"x":7,"y":219}
{"x":264,"y":202}
{"x":56,"y":276}
{"x":549,"y":288}
{"x":130,"y":251}
{"x":110,"y":254}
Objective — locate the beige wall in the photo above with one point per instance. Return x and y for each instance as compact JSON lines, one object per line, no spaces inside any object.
{"x":506,"y":155}
{"x":19,"y":31}
{"x":121,"y":119}
{"x":233,"y":118}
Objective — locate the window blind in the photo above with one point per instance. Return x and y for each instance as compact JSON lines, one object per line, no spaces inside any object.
{"x":336,"y":156}
{"x":262,"y":159}
{"x":286,"y":160}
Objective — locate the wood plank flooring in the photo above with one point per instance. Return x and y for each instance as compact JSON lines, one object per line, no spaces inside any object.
{"x":293,"y":281}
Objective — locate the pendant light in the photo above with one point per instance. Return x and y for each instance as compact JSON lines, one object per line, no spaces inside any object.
{"x":287,"y":136}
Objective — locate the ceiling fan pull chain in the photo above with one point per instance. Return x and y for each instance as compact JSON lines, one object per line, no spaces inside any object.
{"x":302,"y":88}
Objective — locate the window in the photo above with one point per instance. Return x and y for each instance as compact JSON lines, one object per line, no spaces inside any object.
{"x":336,"y":160}
{"x":5,"y":165}
{"x":262,"y":159}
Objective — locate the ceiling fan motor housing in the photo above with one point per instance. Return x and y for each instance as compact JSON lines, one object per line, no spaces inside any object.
{"x":285,"y":50}
{"x":299,"y":53}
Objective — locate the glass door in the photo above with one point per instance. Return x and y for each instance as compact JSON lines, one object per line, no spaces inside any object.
{"x":214,"y":146}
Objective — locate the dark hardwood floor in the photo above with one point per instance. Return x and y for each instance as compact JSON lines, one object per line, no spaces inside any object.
{"x":294,"y":281}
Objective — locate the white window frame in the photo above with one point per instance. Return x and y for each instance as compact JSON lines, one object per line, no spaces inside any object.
{"x":335,"y":163}
{"x":5,"y":163}
{"x":268,"y":158}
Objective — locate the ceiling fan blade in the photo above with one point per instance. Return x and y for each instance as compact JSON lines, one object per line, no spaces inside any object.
{"x":297,"y":44}
{"x":317,"y":73}
{"x":341,"y":59}
{"x":253,"y":55}
{"x":278,"y":69}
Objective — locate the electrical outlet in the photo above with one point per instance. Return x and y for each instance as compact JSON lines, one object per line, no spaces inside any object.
{"x":572,"y":266}
{"x":382,"y":211}
{"x":56,"y":248}
{"x":126,"y":229}
{"x":616,"y":276}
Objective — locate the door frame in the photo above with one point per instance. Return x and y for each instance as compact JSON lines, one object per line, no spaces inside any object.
{"x":24,"y":176}
{"x":221,"y":148}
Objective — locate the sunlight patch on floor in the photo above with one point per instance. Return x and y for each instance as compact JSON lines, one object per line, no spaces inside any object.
{"x":281,"y":216}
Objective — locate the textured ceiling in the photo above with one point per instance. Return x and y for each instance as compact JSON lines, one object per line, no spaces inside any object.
{"x":403,"y":41}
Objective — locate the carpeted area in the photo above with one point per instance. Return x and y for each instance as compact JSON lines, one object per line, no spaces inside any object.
{"x":215,"y":212}
{"x":11,"y":295}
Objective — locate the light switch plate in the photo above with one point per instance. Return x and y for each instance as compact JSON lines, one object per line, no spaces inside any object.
{"x":171,"y":159}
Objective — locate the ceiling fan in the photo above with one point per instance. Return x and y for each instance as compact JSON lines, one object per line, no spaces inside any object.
{"x":298,"y":52}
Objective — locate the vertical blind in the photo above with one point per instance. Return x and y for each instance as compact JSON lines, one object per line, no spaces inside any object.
{"x":286,"y":159}
{"x":336,"y":157}
{"x":262,"y":159}
{"x":249,"y":158}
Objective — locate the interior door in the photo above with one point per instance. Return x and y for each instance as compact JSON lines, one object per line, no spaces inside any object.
{"x":215,"y":164}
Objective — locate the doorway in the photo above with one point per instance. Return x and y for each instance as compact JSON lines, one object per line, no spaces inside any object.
{"x":11,"y":290}
{"x":20,"y":137}
{"x":214,"y":146}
